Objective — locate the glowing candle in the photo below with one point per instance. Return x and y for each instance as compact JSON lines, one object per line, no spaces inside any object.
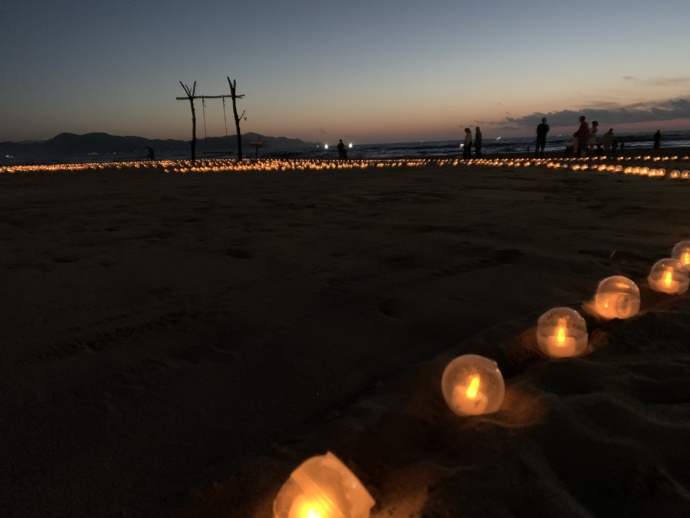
{"x":562,"y":333}
{"x":302,"y":507}
{"x":669,"y":276}
{"x":322,"y":487}
{"x":468,"y":399}
{"x":682,"y":252}
{"x":473,"y":385}
{"x":617,"y":297}
{"x":560,"y":345}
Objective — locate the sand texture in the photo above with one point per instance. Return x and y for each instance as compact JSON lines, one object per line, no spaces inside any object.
{"x":174,"y":345}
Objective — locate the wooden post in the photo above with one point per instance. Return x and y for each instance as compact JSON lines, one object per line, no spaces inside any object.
{"x":256,"y":145}
{"x":233,"y":93}
{"x":190,"y":96}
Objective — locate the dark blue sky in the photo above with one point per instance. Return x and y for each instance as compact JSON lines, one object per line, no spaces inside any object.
{"x":367,"y":71}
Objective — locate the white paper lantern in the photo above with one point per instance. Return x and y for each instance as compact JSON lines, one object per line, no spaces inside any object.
{"x":562,"y":333}
{"x":682,"y":252}
{"x":669,"y":276}
{"x":322,"y":487}
{"x":473,"y":385}
{"x":617,"y":297}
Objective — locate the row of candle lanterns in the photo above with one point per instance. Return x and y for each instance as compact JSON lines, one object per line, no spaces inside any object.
{"x":323,"y":487}
{"x":269,"y":164}
{"x":473,"y":385}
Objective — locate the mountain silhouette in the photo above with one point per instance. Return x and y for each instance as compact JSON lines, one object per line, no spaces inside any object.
{"x":67,"y":145}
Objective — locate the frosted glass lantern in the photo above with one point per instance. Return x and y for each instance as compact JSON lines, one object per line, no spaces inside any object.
{"x":669,"y":276}
{"x":322,"y":487}
{"x":617,"y":297}
{"x":682,"y":252}
{"x":562,"y":333}
{"x":473,"y":385}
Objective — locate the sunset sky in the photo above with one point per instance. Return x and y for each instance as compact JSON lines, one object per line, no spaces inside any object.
{"x":369,"y":71}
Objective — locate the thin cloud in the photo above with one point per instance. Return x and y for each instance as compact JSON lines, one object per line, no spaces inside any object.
{"x":650,"y":112}
{"x":660,"y":81}
{"x":670,"y":81}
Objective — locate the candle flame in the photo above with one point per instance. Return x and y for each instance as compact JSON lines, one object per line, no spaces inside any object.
{"x":308,"y":509}
{"x":560,"y":335}
{"x":686,"y":258}
{"x":668,"y":277}
{"x":474,"y":387}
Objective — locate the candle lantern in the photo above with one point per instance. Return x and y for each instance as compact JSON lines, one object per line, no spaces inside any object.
{"x":473,"y":385}
{"x":617,"y":297}
{"x":669,"y":276}
{"x":562,"y":333}
{"x":322,"y":487}
{"x":682,"y":252}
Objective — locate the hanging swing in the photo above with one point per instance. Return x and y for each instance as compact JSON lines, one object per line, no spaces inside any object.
{"x":225,"y":119}
{"x":203,"y":109}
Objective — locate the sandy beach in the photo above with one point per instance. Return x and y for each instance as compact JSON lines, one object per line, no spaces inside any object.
{"x":174,"y":345}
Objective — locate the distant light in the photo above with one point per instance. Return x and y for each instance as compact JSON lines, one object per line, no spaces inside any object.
{"x":350,"y":145}
{"x":498,"y":138}
{"x":325,"y":146}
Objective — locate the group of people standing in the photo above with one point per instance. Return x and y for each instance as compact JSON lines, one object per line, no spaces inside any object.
{"x":468,"y":143}
{"x":585,"y":139}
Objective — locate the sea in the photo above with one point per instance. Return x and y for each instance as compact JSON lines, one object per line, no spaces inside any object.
{"x":417,"y":149}
{"x":497,"y":146}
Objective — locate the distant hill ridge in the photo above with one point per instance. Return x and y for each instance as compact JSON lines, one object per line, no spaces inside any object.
{"x":66,"y":144}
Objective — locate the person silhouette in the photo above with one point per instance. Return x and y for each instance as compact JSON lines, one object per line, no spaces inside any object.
{"x":657,"y":139}
{"x":467,"y":144}
{"x":592,"y":140}
{"x":478,"y":142}
{"x":607,"y":140}
{"x":342,"y":152}
{"x":582,"y":136}
{"x":542,"y":130}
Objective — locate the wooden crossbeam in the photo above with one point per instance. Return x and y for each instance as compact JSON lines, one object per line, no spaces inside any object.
{"x":191,"y":96}
{"x":209,"y":97}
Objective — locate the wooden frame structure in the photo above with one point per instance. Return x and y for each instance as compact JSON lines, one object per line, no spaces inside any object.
{"x":191,"y":96}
